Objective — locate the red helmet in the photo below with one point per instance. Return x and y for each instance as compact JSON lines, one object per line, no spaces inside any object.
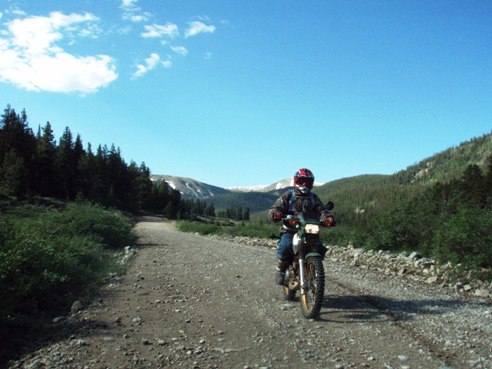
{"x":303,"y":180}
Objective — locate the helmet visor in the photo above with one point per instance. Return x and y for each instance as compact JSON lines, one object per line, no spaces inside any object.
{"x":305,"y":181}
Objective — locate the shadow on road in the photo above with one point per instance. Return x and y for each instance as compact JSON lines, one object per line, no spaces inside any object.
{"x":23,"y":336}
{"x":366,"y":308}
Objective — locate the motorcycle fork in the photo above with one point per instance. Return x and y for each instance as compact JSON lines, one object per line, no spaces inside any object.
{"x":301,"y":275}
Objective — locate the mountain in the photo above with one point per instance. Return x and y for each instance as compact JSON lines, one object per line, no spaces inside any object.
{"x":357,"y":195}
{"x":284,"y":183}
{"x":254,"y":201}
{"x":352,"y":194}
{"x":193,"y":189}
{"x":190,"y":188}
{"x":222,"y":198}
{"x":448,"y":164}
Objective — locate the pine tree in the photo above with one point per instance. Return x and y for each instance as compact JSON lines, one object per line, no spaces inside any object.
{"x":141,"y":186}
{"x":473,"y":186}
{"x":16,"y":136}
{"x":46,"y":147}
{"x":168,"y":211}
{"x":176,"y":201}
{"x":13,"y":175}
{"x":488,"y":183}
{"x":210,"y":210}
{"x":66,"y":165}
{"x":246,"y":214}
{"x":101,"y":181}
{"x":87,"y":175}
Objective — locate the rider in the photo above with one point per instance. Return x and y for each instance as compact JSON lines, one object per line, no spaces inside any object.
{"x":300,"y":198}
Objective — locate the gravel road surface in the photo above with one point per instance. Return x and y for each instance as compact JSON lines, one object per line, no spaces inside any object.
{"x":189,"y":301}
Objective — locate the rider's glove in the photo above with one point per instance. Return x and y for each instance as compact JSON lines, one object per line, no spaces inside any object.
{"x":277,"y":215}
{"x":329,"y":220}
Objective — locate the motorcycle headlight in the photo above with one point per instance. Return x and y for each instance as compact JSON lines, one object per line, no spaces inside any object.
{"x":312,"y":228}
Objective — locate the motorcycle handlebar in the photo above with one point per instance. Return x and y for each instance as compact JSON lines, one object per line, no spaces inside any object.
{"x":326,"y":220}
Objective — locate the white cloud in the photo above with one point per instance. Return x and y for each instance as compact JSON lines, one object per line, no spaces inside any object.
{"x":196,"y":28}
{"x":157,"y":30}
{"x":32,"y":60}
{"x":167,"y":63}
{"x":12,"y":10}
{"x":134,"y":13}
{"x":37,"y":34}
{"x":180,"y":50}
{"x":150,"y":63}
{"x":128,"y":3}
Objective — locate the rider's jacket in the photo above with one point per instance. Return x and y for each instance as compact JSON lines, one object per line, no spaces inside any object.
{"x":291,"y":203}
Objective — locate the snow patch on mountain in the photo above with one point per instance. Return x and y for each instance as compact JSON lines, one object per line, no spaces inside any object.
{"x":285,"y":183}
{"x":190,"y":188}
{"x":193,"y":189}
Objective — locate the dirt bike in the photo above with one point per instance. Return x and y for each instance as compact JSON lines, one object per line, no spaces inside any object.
{"x":306,"y":273}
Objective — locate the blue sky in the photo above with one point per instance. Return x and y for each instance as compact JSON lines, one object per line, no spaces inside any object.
{"x":239,"y":93}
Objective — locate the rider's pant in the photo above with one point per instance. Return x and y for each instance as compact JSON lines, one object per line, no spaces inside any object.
{"x":284,"y":247}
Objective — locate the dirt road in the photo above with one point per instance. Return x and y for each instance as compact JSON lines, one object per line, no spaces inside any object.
{"x":194,"y":302}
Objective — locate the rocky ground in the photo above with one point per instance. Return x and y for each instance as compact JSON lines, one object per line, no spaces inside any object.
{"x":189,"y":301}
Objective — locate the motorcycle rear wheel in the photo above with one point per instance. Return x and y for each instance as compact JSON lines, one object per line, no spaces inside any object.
{"x":314,"y":277}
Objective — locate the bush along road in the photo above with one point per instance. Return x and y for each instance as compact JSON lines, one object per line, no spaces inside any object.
{"x":190,"y":301}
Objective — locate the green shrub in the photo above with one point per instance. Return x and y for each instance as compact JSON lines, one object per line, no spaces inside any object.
{"x":465,"y":238}
{"x":198,"y":227}
{"x":49,"y":259}
{"x":396,"y":230}
{"x":245,"y":229}
{"x":253,"y":230}
{"x":108,"y":227}
{"x":339,"y":236}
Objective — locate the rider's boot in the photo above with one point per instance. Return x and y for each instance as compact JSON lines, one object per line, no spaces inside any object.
{"x":280,"y":273}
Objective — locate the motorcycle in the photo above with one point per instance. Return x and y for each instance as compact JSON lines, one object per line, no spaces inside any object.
{"x":306,"y":273}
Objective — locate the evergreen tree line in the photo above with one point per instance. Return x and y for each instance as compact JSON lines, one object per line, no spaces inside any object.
{"x":37,"y":165}
{"x":450,"y":221}
{"x":193,"y":209}
{"x":234,"y":213}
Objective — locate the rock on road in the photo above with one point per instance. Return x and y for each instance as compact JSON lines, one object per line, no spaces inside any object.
{"x":189,"y":301}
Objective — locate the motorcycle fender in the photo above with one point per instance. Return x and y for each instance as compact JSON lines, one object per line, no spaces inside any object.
{"x":313,"y":254}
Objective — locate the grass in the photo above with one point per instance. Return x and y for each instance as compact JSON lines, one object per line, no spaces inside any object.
{"x":207,"y":226}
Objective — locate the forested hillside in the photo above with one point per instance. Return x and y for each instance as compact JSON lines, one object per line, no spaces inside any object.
{"x":357,"y":196}
{"x":33,"y":166}
{"x":449,"y":164}
{"x":254,"y":201}
{"x":445,"y":213}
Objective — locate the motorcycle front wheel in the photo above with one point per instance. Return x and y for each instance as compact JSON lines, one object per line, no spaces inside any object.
{"x":314,"y":277}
